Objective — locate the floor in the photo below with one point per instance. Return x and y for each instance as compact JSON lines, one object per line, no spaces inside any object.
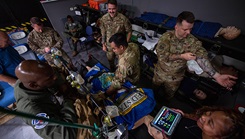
{"x":15,"y":128}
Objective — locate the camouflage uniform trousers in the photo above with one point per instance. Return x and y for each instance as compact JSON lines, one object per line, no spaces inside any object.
{"x":75,"y":39}
{"x":168,"y":84}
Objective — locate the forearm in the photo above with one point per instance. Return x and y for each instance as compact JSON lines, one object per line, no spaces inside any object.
{"x":8,"y":79}
{"x":103,"y":37}
{"x":129,"y":36}
{"x":59,"y":44}
{"x":103,"y":32}
{"x":174,"y":57}
{"x":216,"y":75}
{"x":206,"y":66}
{"x":59,"y":41}
{"x":110,"y":91}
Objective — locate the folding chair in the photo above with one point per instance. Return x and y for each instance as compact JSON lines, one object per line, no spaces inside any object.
{"x":25,"y":51}
{"x":64,"y":20}
{"x":18,"y":37}
{"x":88,"y":38}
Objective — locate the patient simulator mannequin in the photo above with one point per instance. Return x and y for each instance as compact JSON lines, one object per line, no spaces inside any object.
{"x":201,"y":95}
{"x":212,"y":30}
{"x":229,"y":32}
{"x":201,"y":28}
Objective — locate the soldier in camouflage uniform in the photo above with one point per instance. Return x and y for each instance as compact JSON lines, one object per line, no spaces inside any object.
{"x":128,"y":62}
{"x":174,"y":49}
{"x":73,"y":30}
{"x":42,"y":39}
{"x":111,"y":23}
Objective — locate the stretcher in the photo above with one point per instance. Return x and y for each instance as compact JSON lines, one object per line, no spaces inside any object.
{"x":160,"y":23}
{"x":133,"y":103}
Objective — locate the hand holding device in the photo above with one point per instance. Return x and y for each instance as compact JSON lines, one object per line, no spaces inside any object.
{"x":166,"y":120}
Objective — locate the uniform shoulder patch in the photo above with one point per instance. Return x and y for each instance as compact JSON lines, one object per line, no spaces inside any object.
{"x":39,"y":124}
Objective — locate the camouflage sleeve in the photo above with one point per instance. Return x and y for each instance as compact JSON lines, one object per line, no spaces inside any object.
{"x":198,"y":50}
{"x":67,"y":114}
{"x":103,"y":31}
{"x":66,"y":27}
{"x":120,"y":76}
{"x":59,"y":41}
{"x":206,"y":66}
{"x":33,"y":45}
{"x":128,"y":26}
{"x":163,"y":50}
{"x":79,"y":27}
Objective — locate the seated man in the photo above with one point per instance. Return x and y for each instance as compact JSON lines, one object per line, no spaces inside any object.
{"x":73,"y":30}
{"x":39,"y":92}
{"x":9,"y":60}
{"x":42,"y":39}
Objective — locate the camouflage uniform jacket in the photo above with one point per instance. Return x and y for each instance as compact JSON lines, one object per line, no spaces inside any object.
{"x":75,"y":25}
{"x":169,"y":45}
{"x":109,"y":26}
{"x":48,"y":38}
{"x":128,"y":66}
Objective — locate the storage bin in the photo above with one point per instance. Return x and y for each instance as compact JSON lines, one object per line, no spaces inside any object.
{"x":95,"y":3}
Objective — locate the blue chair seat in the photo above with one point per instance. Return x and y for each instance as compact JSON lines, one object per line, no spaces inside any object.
{"x":7,"y":94}
{"x":18,"y":37}
{"x":26,"y":52}
{"x":88,"y":38}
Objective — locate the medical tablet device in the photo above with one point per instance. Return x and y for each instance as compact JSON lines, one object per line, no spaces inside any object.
{"x":166,"y":120}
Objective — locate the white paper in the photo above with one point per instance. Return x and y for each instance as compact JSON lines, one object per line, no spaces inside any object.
{"x":150,"y":43}
{"x":78,"y":13}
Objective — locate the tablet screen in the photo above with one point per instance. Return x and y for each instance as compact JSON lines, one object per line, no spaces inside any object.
{"x":166,"y":119}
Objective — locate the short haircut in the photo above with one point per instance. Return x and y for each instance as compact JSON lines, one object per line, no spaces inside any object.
{"x":36,"y":20}
{"x":119,"y":39}
{"x":114,"y":2}
{"x":69,"y":16}
{"x":187,"y":16}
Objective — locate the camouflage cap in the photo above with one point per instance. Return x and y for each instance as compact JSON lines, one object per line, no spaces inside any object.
{"x":35,"y":20}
